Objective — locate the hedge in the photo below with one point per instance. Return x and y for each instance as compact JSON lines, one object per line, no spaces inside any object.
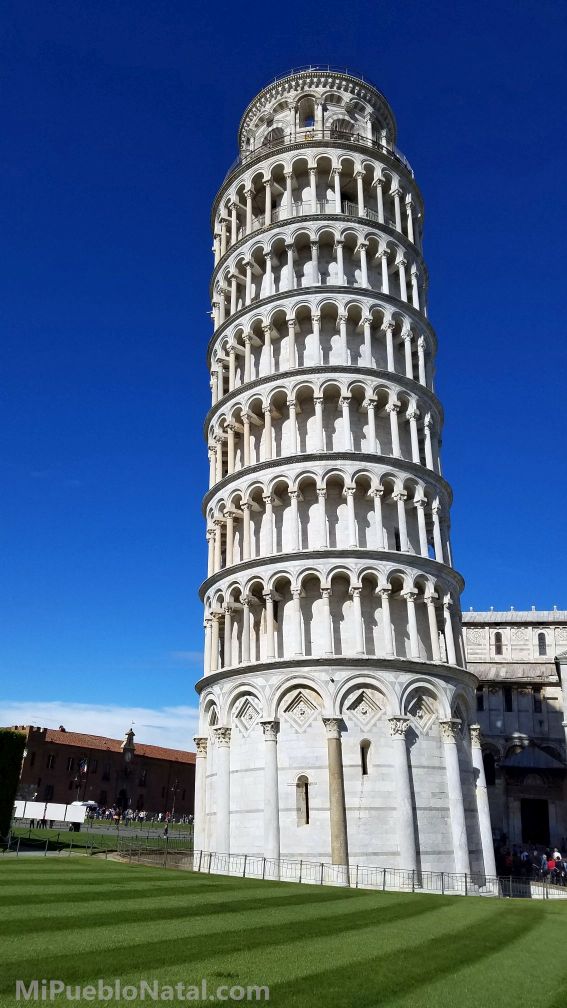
{"x":12,"y":745}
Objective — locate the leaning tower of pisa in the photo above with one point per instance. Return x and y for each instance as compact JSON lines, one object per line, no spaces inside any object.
{"x":335,"y":706}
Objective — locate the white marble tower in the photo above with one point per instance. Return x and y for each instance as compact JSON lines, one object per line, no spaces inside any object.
{"x":335,"y":705}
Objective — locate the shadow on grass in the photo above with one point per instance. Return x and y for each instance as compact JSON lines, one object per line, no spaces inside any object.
{"x":143,"y":957}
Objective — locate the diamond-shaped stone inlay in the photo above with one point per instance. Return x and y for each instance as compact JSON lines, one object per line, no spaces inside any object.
{"x":423,"y":712}
{"x":365,"y":708}
{"x":247,"y":716}
{"x":300,"y":711}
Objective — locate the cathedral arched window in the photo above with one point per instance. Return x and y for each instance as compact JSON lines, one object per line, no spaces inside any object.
{"x":302,"y":800}
{"x":541,"y":644}
{"x":498,"y":643}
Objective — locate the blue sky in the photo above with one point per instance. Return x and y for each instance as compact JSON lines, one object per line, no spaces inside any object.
{"x":118,"y":123}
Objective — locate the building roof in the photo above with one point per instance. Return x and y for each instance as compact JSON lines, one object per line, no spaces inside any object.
{"x":508,"y":671}
{"x":517,"y":616}
{"x":104,"y":744}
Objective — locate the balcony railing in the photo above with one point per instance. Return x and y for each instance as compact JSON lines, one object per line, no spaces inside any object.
{"x":311,"y":135}
{"x":306,"y":209}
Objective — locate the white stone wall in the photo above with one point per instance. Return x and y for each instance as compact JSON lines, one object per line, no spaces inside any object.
{"x":332,"y":617}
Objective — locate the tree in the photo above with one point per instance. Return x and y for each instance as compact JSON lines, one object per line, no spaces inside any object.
{"x":12,"y":745}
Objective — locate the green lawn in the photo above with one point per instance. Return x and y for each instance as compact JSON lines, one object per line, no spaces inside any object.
{"x":78,"y":919}
{"x":62,"y":839}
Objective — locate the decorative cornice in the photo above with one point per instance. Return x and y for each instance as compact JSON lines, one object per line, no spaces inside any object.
{"x":413,"y":468}
{"x":330,"y":666}
{"x":395,"y":557}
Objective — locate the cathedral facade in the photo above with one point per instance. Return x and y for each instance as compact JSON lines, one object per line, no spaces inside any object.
{"x":338,"y":719}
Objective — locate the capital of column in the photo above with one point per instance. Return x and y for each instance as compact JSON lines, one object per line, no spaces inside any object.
{"x":393,"y":407}
{"x":333,"y":727}
{"x":398,"y":726}
{"x":413,"y":413}
{"x":385,"y":592}
{"x":222,"y":735}
{"x":270,"y":730}
{"x":321,"y":493}
{"x":201,"y":742}
{"x":420,"y":502}
{"x":449,"y":729}
{"x":350,"y":491}
{"x":409,"y":596}
{"x":474,"y":730}
{"x":293,"y":494}
{"x":345,"y":400}
{"x":267,"y":498}
{"x":267,"y":329}
{"x":401,"y":262}
{"x":377,"y":492}
{"x":400,"y":495}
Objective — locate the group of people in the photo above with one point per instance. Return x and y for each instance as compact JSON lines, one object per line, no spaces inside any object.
{"x":547,"y":865}
{"x":126,"y":817}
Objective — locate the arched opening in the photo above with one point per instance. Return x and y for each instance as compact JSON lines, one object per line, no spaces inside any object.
{"x":489,"y":768}
{"x":541,"y":645}
{"x":498,"y":643}
{"x":306,"y":113}
{"x":302,"y":800}
{"x":274,"y":137}
{"x":364,"y":754}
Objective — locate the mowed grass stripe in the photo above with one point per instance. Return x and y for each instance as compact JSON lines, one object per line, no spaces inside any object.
{"x":145,"y":953}
{"x":196,"y":909}
{"x":321,"y":947}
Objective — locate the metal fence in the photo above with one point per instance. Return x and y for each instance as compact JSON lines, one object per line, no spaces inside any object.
{"x":171,"y":855}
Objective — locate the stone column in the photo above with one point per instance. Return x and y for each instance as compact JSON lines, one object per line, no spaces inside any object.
{"x":327,"y":633}
{"x":482,"y":802}
{"x":387,"y":621}
{"x":449,"y":731}
{"x":385,"y":278}
{"x":433,"y":629}
{"x":227,"y":663}
{"x":210,"y":536}
{"x":271,"y":792}
{"x":229,"y":518}
{"x":298,"y":643}
{"x":314,"y":262}
{"x":214,"y":663}
{"x":269,"y":277}
{"x":318,"y":402}
{"x":218,"y":544}
{"x":420,"y":505}
{"x":406,"y":830}
{"x":246,"y":438}
{"x":290,"y":271}
{"x":313,"y":188}
{"x":437,"y":541}
{"x":268,"y":537}
{"x":401,"y":264}
{"x":249,"y":194}
{"x":350,"y":494}
{"x":409,"y":208}
{"x":293,"y":426}
{"x":268,"y":203}
{"x":363,"y":265}
{"x":449,"y":639}
{"x":371,"y":408}
{"x":380,"y":199}
{"x":415,"y":287}
{"x":317,"y":338}
{"x":407,"y":338}
{"x":421,"y":360}
{"x":410,"y":598}
{"x":345,"y":403}
{"x":292,"y":353}
{"x":393,"y":410}
{"x":337,"y":806}
{"x":322,"y":498}
{"x":248,"y":296}
{"x":357,"y":619}
{"x":376,"y":494}
{"x":389,"y":331}
{"x":400,"y":499}
{"x":267,"y":433}
{"x":360,"y":193}
{"x":270,"y":642}
{"x":337,"y":178}
{"x":344,"y":342}
{"x":339,"y":244}
{"x":396,"y":193}
{"x":233,"y":224}
{"x":294,"y":498}
{"x":245,"y":629}
{"x":246,"y":554}
{"x":230,"y":429}
{"x":200,"y":822}
{"x":267,"y":330}
{"x":207,"y":655}
{"x":222,"y":737}
{"x":367,"y":322}
{"x":412,"y":416}
{"x":427,"y":424}
{"x":247,"y":356}
{"x":288,"y":193}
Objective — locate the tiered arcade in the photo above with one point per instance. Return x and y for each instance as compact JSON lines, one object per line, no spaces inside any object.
{"x":335,"y":705}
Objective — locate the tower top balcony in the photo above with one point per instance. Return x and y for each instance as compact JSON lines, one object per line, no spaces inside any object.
{"x":318,"y":97}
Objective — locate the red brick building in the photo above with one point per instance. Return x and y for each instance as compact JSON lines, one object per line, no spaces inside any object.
{"x":64,"y":766}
